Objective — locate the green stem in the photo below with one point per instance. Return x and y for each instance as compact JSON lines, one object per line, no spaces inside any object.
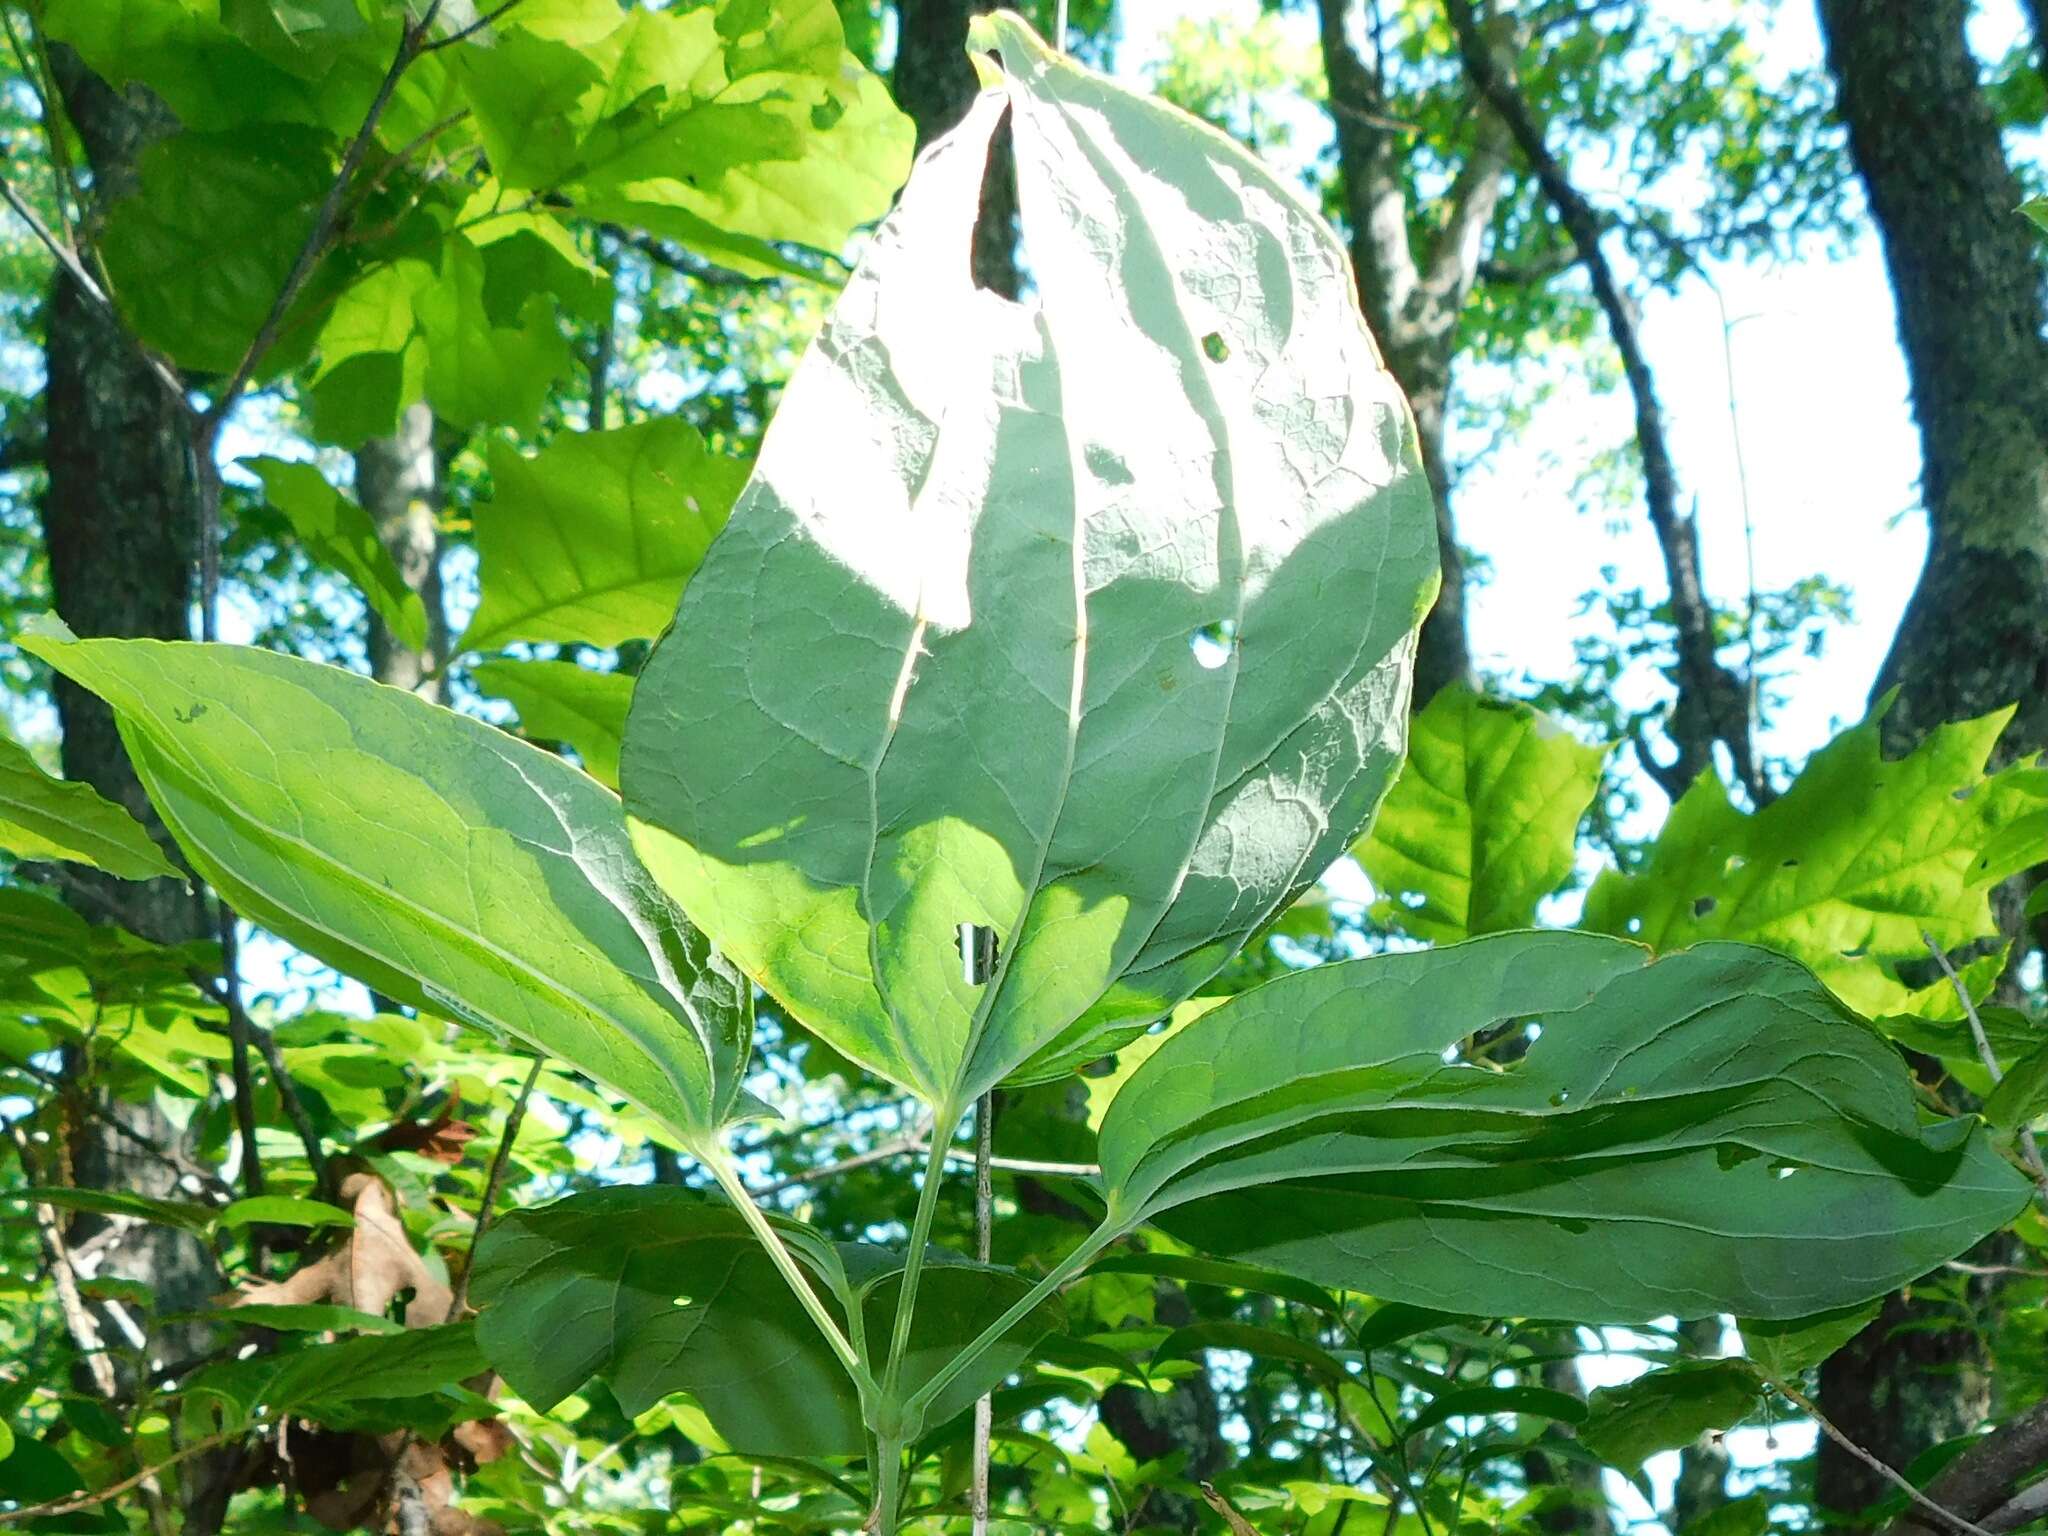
{"x":1057,"y":1276}
{"x":719,"y":1162}
{"x":888,"y":1485}
{"x":945,"y":1121}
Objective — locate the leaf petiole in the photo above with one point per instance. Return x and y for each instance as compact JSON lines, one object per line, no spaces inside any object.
{"x":715,"y":1157}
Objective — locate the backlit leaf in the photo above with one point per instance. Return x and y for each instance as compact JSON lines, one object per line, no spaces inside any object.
{"x":339,"y":534}
{"x":46,"y":818}
{"x":1846,"y":870}
{"x":982,"y":645}
{"x":560,"y":701}
{"x":1481,"y":823}
{"x":1709,"y":1132}
{"x":592,"y":539}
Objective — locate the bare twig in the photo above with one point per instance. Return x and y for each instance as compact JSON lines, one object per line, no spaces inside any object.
{"x":1923,"y":1501}
{"x":75,"y":1502}
{"x":463,"y":34}
{"x":1239,"y":1526}
{"x":492,"y":1183}
{"x":84,"y":1328}
{"x":410,"y":45}
{"x":280,"y":1077}
{"x":2030,"y":1149}
{"x":238,"y":1048}
{"x":1712,"y":704}
{"x":74,"y":268}
{"x":1982,"y":1478}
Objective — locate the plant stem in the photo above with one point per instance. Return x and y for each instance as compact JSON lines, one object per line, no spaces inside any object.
{"x":715,"y":1158}
{"x":945,"y":1122}
{"x":1057,"y":1276}
{"x":888,"y":1485}
{"x":984,"y":1235}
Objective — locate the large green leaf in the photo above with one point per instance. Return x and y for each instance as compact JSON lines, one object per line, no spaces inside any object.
{"x":592,"y":539}
{"x":1847,"y":870}
{"x":659,"y":1292}
{"x":1481,"y":823}
{"x":339,"y":534}
{"x":431,"y":856}
{"x":1710,"y":1132}
{"x":561,"y":701}
{"x":983,"y":645}
{"x":46,"y":818}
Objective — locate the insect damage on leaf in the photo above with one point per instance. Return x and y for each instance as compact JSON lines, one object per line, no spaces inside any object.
{"x":1085,"y":622}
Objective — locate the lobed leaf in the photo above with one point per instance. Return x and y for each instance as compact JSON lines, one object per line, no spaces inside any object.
{"x":592,"y":539}
{"x":1482,"y":821}
{"x":1704,"y":1133}
{"x":434,"y":858}
{"x":1848,"y":869}
{"x":982,"y":645}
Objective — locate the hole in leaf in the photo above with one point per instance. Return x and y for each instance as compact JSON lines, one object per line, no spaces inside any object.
{"x":1562,"y":1096}
{"x":1703,"y":906}
{"x":977,"y":953}
{"x":1735,"y":861}
{"x":1215,"y":348}
{"x":1533,"y":1031}
{"x":1213,"y":644}
{"x":1635,"y":925}
{"x":1789,"y":864}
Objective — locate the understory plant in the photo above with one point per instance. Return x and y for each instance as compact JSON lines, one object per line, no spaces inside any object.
{"x":1053,"y":651}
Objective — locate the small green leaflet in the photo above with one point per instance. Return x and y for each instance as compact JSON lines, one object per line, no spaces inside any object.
{"x":561,"y":701}
{"x":982,"y":646}
{"x":433,"y":857}
{"x":46,"y":818}
{"x":1625,"y":1426}
{"x":592,"y":539}
{"x":339,"y":534}
{"x":1711,"y":1132}
{"x":2021,"y":1096}
{"x":1782,"y":1350}
{"x":1847,"y":869}
{"x":1481,"y":823}
{"x":284,"y":1210}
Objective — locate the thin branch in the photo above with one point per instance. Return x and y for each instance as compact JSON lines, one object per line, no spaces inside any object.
{"x":1711,"y":702}
{"x":84,"y":1329}
{"x":71,"y":1504}
{"x":280,"y":1077}
{"x":74,"y":268}
{"x":239,"y":1030}
{"x":1981,"y":1479}
{"x":1827,"y":1427}
{"x":315,"y":244}
{"x":465,"y":33}
{"x":898,"y":1146}
{"x":2030,"y":1149}
{"x":492,"y":1184}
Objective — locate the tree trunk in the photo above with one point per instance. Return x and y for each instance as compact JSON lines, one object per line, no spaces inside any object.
{"x":1967,"y":284}
{"x":120,"y":524}
{"x":398,"y":481}
{"x":1412,"y":286}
